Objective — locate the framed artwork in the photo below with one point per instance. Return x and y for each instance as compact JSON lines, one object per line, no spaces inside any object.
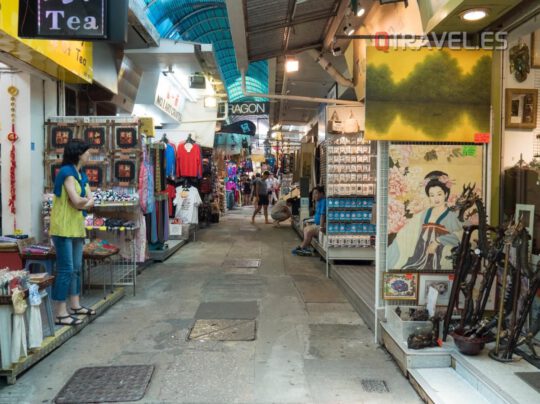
{"x":400,"y":286}
{"x":126,"y":138}
{"x":96,"y":175}
{"x":490,"y":305}
{"x":52,"y":168}
{"x":424,"y":184}
{"x":535,"y":49}
{"x":415,"y":100}
{"x":441,"y":282}
{"x":125,"y":171}
{"x":60,"y":136}
{"x":521,"y":108}
{"x":95,"y":136}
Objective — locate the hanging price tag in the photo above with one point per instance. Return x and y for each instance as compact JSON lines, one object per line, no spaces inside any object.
{"x":482,"y":137}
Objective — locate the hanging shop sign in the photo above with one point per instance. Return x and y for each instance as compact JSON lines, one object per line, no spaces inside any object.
{"x":249,"y":108}
{"x":241,"y":128}
{"x":169,"y":99}
{"x":70,"y":61}
{"x":63,"y":19}
{"x":428,"y":95}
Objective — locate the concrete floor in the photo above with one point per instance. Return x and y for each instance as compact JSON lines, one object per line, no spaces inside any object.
{"x":311,"y":346}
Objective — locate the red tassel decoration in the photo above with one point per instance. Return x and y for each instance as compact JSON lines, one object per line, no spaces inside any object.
{"x":12,"y":137}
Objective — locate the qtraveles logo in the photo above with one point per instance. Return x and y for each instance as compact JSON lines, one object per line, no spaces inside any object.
{"x":385,"y":41}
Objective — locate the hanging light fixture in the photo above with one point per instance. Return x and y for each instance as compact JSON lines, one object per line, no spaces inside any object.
{"x":474,"y":14}
{"x":292,"y":65}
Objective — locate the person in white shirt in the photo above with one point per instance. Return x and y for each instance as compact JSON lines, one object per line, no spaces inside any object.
{"x":273,"y":185}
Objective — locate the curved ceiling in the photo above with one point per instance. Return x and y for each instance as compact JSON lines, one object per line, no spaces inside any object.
{"x":206,"y":21}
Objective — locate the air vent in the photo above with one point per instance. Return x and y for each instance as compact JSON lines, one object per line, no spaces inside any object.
{"x":197,"y":81}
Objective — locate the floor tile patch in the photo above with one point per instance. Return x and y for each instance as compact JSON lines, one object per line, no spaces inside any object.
{"x":223,"y":330}
{"x":374,"y":386}
{"x":228,"y":310}
{"x":242,"y":263}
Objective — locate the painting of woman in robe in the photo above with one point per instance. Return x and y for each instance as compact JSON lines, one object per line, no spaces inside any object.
{"x":424,"y":182}
{"x":438,"y":229}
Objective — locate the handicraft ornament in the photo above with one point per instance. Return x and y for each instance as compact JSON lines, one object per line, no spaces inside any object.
{"x":520,"y":62}
{"x":12,"y":137}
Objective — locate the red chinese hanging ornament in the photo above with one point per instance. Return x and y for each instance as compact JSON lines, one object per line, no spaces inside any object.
{"x":12,"y":137}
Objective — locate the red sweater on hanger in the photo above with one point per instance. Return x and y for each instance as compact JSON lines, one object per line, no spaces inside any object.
{"x":188,"y":163}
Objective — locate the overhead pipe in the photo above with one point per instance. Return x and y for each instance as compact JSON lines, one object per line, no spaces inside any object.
{"x":317,"y":100}
{"x":329,"y":68}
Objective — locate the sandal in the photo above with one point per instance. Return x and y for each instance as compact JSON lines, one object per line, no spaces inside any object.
{"x":85,"y":311}
{"x":61,"y":320}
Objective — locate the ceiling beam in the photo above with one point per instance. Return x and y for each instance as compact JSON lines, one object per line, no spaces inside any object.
{"x":237,"y":23}
{"x":279,"y":52}
{"x":342,"y":9}
{"x":286,"y":24}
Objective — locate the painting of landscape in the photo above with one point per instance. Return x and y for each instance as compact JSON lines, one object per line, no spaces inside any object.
{"x":428,"y":94}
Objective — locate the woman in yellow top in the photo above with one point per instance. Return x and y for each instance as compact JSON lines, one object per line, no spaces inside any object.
{"x":72,"y":197}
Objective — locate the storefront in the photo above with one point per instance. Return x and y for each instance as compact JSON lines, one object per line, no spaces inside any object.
{"x":150,"y":193}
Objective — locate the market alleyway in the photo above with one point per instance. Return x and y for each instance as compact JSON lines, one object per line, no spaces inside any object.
{"x":310,"y":346}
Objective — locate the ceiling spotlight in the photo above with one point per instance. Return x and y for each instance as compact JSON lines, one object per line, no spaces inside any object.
{"x":348,"y":29}
{"x":474,"y":14}
{"x":210,"y":102}
{"x":361,"y":11}
{"x":292,"y":65}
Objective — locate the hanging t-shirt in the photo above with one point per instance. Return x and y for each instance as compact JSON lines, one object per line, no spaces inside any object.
{"x":187,"y":205}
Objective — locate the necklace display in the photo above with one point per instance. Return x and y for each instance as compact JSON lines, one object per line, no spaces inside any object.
{"x":12,"y":137}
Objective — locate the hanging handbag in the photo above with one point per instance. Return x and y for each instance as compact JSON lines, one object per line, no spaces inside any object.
{"x":335,"y":126}
{"x":351,"y":126}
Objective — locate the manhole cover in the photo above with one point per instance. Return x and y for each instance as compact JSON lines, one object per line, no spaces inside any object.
{"x":223,"y":330}
{"x":106,"y":384}
{"x":374,"y":386}
{"x":531,"y":378}
{"x":242,"y":263}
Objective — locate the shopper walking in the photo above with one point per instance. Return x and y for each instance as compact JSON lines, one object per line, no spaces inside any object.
{"x":72,"y":197}
{"x":260,"y":199}
{"x":246,"y":190}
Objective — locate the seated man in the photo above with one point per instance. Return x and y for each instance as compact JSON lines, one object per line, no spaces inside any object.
{"x":281,"y":211}
{"x":320,"y":223}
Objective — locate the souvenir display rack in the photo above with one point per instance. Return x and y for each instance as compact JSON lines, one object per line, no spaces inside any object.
{"x":114,"y":166}
{"x":350,"y":191}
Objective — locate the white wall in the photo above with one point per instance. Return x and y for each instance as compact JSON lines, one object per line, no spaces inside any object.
{"x":517,"y":142}
{"x":36,"y":100}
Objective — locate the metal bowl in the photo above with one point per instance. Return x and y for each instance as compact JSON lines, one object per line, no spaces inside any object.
{"x":468,"y":345}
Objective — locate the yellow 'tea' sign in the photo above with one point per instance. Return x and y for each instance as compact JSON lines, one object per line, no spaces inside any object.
{"x":70,"y":61}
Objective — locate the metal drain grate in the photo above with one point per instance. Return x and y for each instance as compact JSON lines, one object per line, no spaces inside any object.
{"x":374,"y":386}
{"x":242,"y":263}
{"x":106,"y":384}
{"x":531,"y":378}
{"x":223,"y":330}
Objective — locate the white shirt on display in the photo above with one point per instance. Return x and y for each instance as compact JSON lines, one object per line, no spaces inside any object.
{"x":187,"y":205}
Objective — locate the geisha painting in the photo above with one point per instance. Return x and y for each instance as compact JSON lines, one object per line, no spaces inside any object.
{"x":424,"y":183}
